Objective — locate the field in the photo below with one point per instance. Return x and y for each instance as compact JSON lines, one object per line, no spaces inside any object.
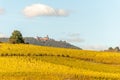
{"x":30,"y":62}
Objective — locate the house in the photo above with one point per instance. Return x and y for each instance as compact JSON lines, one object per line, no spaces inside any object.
{"x":43,"y":38}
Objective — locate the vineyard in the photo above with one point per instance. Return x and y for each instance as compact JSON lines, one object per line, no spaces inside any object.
{"x":30,"y":62}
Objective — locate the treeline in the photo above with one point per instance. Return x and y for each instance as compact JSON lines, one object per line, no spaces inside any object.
{"x":51,"y":42}
{"x":16,"y":37}
{"x":111,"y":49}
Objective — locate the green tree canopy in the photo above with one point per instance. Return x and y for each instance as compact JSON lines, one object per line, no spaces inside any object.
{"x":117,"y":49}
{"x":16,"y":37}
{"x":110,"y":48}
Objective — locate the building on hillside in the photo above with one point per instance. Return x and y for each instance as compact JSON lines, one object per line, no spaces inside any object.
{"x":43,"y":38}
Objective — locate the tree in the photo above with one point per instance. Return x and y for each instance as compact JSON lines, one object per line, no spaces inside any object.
{"x":110,"y":48}
{"x":117,"y":49}
{"x":16,"y":37}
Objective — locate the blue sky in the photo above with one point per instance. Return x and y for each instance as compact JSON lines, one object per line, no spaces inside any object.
{"x":90,"y":24}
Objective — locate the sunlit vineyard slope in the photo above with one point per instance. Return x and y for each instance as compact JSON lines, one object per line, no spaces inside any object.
{"x":30,"y":62}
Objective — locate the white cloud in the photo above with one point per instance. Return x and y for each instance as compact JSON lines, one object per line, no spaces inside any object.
{"x":43,"y":10}
{"x":73,"y":37}
{"x":94,"y":47}
{"x":2,"y":35}
{"x":2,"y":10}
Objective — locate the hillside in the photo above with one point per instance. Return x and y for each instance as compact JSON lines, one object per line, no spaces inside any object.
{"x":30,"y":62}
{"x":51,"y":42}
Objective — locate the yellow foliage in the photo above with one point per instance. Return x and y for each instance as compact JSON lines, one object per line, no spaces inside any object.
{"x":26,"y":63}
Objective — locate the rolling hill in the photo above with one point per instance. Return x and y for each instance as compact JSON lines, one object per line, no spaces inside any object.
{"x":51,"y":42}
{"x":30,"y":62}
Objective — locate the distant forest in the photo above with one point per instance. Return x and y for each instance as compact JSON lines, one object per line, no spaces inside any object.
{"x":50,"y":42}
{"x":111,"y":49}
